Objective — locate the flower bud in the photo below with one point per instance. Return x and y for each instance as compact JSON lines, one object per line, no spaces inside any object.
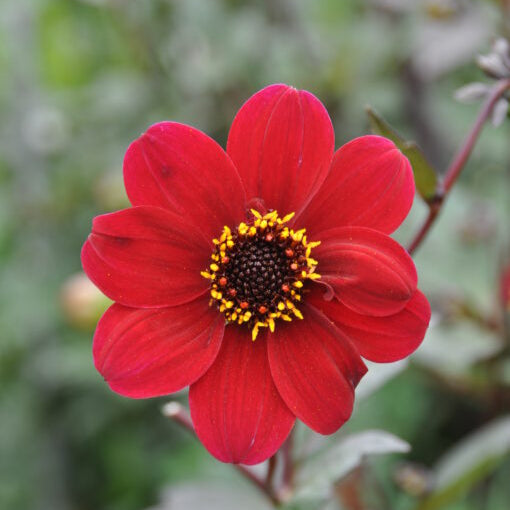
{"x":505,"y":288}
{"x":109,"y":192}
{"x":471,"y":92}
{"x":82,"y":302}
{"x":413,"y":479}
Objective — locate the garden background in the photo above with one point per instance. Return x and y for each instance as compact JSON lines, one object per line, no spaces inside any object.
{"x":80,"y":79}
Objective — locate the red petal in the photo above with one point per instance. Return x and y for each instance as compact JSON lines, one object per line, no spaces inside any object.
{"x":146,"y":257}
{"x":380,"y":339}
{"x":282,"y":142}
{"x":369,"y":272}
{"x":147,"y":353}
{"x":236,"y":410}
{"x":315,"y":369}
{"x":370,"y":184}
{"x":180,"y":168}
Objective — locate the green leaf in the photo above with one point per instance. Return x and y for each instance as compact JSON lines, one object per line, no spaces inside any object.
{"x":467,"y":343}
{"x":470,"y":461}
{"x":195,"y":495}
{"x":425,"y":175}
{"x":378,"y":375}
{"x":379,"y":126}
{"x":319,"y":473}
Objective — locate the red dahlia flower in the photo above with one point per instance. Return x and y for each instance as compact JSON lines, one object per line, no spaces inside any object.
{"x":259,"y":276}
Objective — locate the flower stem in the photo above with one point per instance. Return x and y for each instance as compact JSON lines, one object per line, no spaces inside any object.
{"x":288,"y":469}
{"x":458,"y":162}
{"x":270,"y":471}
{"x":177,"y":413}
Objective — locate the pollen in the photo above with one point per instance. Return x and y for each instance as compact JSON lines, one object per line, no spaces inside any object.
{"x":259,"y":270}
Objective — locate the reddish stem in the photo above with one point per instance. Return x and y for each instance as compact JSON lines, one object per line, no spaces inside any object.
{"x":458,"y":162}
{"x":176,"y":412}
{"x":431,"y":218}
{"x":270,"y":472}
{"x":288,"y":469}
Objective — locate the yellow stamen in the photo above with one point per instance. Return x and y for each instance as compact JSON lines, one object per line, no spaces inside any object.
{"x":228,"y":292}
{"x":288,"y":217}
{"x":297,"y":313}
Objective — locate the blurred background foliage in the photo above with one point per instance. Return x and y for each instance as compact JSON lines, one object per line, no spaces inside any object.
{"x":80,"y":79}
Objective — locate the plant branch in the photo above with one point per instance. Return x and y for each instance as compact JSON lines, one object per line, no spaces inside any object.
{"x":458,"y":162}
{"x":270,"y":472}
{"x":177,"y":413}
{"x":288,"y":469}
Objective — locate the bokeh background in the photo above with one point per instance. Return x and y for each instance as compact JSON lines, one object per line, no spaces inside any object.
{"x":80,"y":79}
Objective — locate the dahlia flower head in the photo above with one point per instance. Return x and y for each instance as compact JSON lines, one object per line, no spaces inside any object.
{"x":259,"y":276}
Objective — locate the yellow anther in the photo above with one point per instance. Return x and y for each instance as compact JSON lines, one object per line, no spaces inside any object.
{"x":298,"y":236}
{"x":297,"y":313}
{"x":288,"y":217}
{"x":238,"y":308}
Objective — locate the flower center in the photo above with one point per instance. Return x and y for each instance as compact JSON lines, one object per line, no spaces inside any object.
{"x":258,"y":271}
